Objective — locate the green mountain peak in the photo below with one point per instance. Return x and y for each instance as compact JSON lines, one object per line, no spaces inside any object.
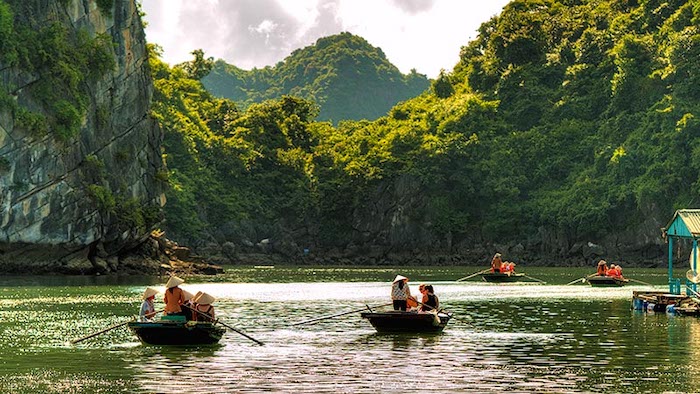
{"x":347,"y":77}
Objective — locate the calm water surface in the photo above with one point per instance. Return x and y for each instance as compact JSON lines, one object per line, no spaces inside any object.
{"x":509,"y":337}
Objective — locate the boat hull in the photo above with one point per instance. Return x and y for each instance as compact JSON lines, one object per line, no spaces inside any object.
{"x":406,"y":322}
{"x":497,"y":277}
{"x":177,"y":333}
{"x":606,"y":281}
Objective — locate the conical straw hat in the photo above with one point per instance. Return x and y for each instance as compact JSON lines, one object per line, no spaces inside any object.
{"x":149,"y":292}
{"x":398,"y":278}
{"x":205,"y":299}
{"x":187,"y":295}
{"x":174,"y":281}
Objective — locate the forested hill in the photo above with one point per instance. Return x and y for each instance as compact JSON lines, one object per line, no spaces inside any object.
{"x":568,"y":132}
{"x":347,"y":77}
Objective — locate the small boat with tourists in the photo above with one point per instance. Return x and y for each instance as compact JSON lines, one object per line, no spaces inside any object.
{"x":502,"y":277}
{"x":407,"y":322}
{"x":172,"y":331}
{"x":606,"y":281}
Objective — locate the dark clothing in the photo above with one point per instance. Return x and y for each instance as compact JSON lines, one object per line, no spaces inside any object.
{"x":205,"y":314}
{"x":400,"y":305}
{"x":431,"y":303}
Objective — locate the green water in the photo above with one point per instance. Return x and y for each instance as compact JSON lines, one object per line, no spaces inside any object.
{"x":505,"y":337}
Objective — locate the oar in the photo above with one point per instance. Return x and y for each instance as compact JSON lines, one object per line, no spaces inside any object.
{"x":73,"y":342}
{"x":535,"y":279}
{"x":336,"y":315}
{"x":583,"y":279}
{"x":225,"y":325}
{"x":639,"y":281}
{"x":473,"y":275}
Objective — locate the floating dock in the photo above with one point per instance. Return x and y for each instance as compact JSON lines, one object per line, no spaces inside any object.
{"x":655,"y":301}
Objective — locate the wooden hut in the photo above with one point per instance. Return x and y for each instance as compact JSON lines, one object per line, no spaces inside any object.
{"x":685,"y":225}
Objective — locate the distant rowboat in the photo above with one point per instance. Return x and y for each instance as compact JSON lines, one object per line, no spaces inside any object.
{"x":407,"y":322}
{"x":606,"y":281}
{"x":499,"y":277}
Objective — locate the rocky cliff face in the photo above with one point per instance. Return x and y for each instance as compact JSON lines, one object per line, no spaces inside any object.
{"x":76,"y":204}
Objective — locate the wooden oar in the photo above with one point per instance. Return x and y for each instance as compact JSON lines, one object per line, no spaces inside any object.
{"x":336,"y":315}
{"x":473,"y":275}
{"x":535,"y":279}
{"x":583,"y":279}
{"x":639,"y":281}
{"x":225,"y":325}
{"x":73,"y":342}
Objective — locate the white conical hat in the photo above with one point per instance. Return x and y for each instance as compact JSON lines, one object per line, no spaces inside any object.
{"x":187,"y":295}
{"x":205,"y":299}
{"x":149,"y":292}
{"x":174,"y":281}
{"x":398,"y":278}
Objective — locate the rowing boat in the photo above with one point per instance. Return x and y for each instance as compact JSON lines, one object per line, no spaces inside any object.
{"x":407,"y":322}
{"x":177,"y":332}
{"x":499,"y":277}
{"x":606,"y":281}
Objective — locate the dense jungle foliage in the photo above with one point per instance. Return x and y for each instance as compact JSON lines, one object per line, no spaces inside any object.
{"x":347,"y":77}
{"x":568,"y":117}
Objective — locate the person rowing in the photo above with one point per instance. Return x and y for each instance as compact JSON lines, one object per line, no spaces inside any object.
{"x":400,"y":292}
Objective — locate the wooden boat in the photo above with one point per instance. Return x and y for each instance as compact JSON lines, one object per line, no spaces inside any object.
{"x":406,"y":322}
{"x":177,"y":332}
{"x":606,"y":281}
{"x":499,"y":277}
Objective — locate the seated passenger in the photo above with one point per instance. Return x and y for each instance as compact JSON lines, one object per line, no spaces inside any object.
{"x":148,"y":310}
{"x":432,"y":303}
{"x":188,"y":305}
{"x":204,"y":308}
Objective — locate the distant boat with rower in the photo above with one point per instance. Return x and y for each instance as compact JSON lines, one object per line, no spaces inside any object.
{"x":606,"y":277}
{"x":501,"y":272}
{"x":502,"y":277}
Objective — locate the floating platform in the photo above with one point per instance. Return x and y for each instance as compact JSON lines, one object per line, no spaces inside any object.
{"x":655,"y":301}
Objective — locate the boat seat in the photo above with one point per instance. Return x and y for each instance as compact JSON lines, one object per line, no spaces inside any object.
{"x":175,"y":318}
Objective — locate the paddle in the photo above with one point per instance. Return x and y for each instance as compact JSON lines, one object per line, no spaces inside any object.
{"x":225,"y":325}
{"x":535,"y":279}
{"x":473,"y":275}
{"x":336,"y":315}
{"x":583,"y":279}
{"x":73,"y":342}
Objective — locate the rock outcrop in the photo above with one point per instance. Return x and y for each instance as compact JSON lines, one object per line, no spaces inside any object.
{"x":80,"y":204}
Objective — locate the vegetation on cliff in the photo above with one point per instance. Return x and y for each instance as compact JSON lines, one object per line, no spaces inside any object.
{"x":347,"y":77}
{"x":565,"y":121}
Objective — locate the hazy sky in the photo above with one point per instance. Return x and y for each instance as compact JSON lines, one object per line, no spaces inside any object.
{"x":421,"y":34}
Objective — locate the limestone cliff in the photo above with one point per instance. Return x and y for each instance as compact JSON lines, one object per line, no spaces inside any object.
{"x":76,"y":196}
